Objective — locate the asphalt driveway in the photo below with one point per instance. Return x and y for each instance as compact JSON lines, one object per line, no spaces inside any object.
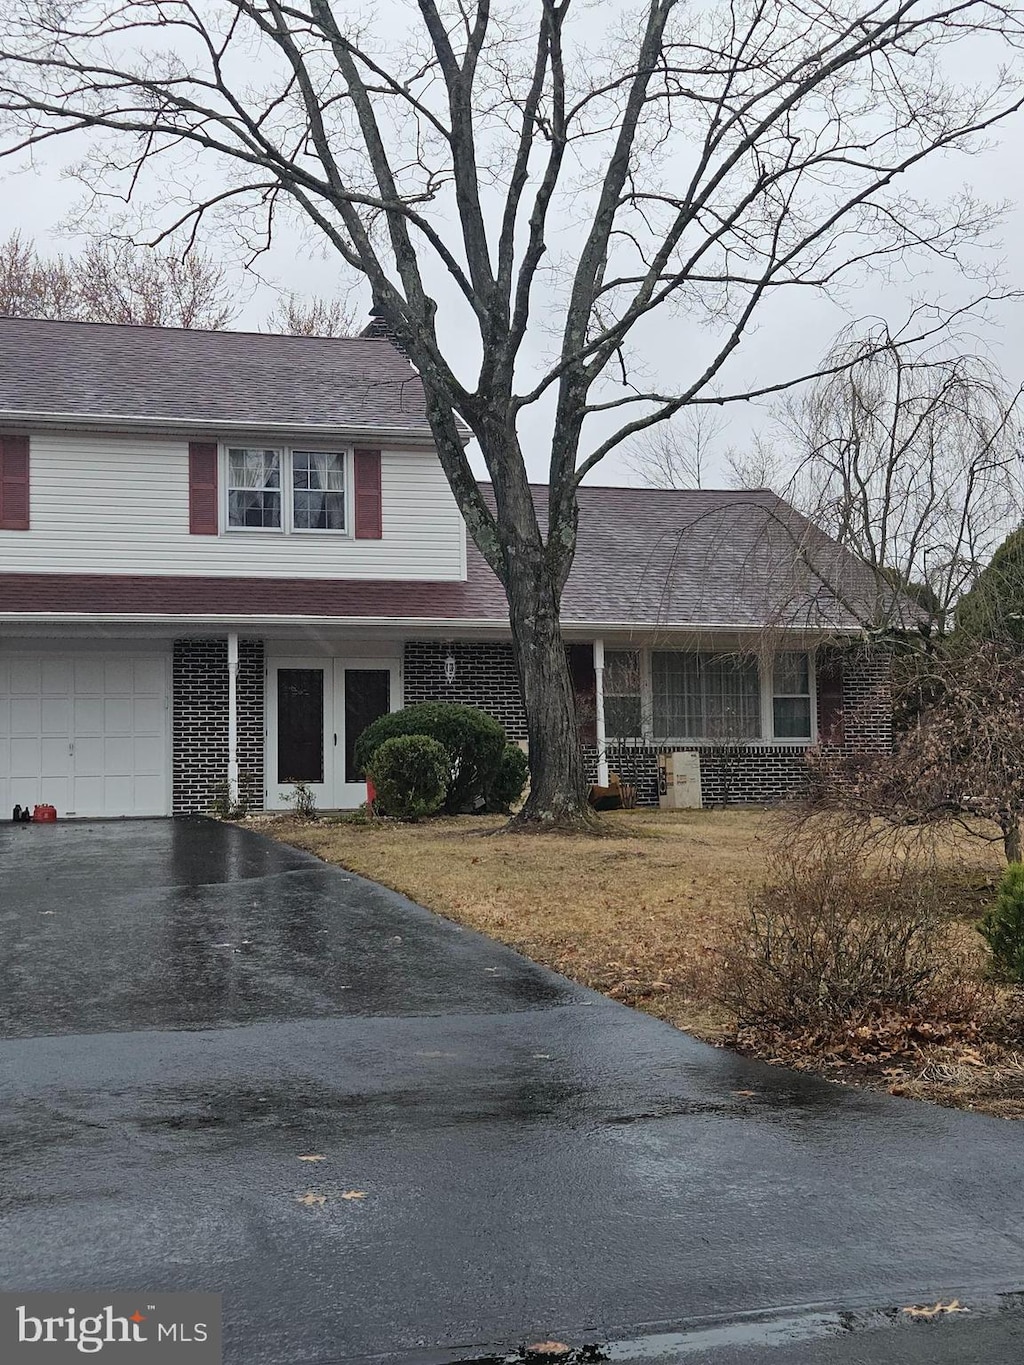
{"x":187,"y":1008}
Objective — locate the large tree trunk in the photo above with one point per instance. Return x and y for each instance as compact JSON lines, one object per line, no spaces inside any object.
{"x":557,"y":786}
{"x":557,"y":797}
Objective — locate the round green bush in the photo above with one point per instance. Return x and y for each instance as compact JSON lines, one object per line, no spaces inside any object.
{"x":410,"y":776}
{"x":509,"y":779}
{"x":473,"y":741}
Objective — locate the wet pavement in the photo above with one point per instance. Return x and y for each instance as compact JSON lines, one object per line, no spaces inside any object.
{"x":186,"y":1009}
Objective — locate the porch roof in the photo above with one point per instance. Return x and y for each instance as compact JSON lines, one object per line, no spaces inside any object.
{"x":646,"y":560}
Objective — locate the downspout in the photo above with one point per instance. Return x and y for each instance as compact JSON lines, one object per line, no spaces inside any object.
{"x":233,"y":717}
{"x":602,"y":746}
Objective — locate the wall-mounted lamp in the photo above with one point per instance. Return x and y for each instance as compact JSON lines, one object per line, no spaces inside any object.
{"x":450,"y":668}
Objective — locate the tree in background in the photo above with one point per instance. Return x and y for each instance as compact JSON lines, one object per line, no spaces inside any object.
{"x":994,"y":607}
{"x":522,"y":187}
{"x":114,"y":282}
{"x":314,"y":317}
{"x":909,"y":457}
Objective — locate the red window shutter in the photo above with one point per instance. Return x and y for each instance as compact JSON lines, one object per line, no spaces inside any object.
{"x":203,"y":518}
{"x":14,"y":494}
{"x":367,"y":495}
{"x":584,"y":682}
{"x":830,"y":700}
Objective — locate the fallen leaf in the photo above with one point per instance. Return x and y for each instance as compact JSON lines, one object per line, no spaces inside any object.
{"x":923,"y":1311}
{"x":354,"y":1194}
{"x":310,"y":1198}
{"x":314,"y":1157}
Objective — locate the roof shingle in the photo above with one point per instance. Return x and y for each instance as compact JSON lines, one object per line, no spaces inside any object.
{"x":91,"y":369}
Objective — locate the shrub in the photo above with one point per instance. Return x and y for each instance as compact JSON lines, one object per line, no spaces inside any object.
{"x":509,"y":780}
{"x":303,"y":801}
{"x":473,"y":741}
{"x":1003,"y":926}
{"x":410,"y":775}
{"x":830,"y":937}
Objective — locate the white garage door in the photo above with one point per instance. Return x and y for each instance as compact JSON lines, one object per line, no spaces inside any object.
{"x":84,"y":732}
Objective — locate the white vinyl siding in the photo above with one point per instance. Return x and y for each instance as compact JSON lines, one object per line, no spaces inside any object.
{"x":118,"y":504}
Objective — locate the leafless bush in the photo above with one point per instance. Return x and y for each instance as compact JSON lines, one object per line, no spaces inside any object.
{"x":835,"y":934}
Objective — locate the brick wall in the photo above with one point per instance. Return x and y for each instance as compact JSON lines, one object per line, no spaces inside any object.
{"x":200,"y":722}
{"x":485,"y":677}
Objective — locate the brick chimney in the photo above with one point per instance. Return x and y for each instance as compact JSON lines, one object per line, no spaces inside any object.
{"x":379,"y":329}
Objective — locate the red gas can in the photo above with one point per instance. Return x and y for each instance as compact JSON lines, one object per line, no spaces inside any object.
{"x":44,"y":813}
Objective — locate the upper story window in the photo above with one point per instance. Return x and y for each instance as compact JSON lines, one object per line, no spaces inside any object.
{"x":318,"y":491}
{"x":791,"y":699}
{"x":286,"y":490}
{"x":705,"y":696}
{"x":254,"y":487}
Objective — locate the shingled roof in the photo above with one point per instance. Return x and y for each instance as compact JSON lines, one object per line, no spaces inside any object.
{"x":206,"y":379}
{"x":647,"y":560}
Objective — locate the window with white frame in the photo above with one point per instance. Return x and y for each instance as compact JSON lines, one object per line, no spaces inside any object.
{"x":622,"y":708}
{"x":286,"y":490}
{"x":318,"y":490}
{"x":791,"y":695}
{"x":704,"y":696}
{"x":254,"y":487}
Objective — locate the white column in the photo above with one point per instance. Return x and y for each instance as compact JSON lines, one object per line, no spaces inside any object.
{"x":602,"y":747}
{"x":233,"y":716}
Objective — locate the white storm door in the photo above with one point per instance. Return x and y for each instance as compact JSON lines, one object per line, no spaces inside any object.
{"x":364,"y":690}
{"x":300,"y":730}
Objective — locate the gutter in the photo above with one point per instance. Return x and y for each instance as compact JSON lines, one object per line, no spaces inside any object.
{"x":198,"y":426}
{"x":405,"y":623}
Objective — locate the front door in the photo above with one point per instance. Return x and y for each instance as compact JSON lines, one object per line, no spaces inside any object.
{"x":317,"y":709}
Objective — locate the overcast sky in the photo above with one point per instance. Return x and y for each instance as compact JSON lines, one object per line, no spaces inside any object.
{"x":791,"y":335}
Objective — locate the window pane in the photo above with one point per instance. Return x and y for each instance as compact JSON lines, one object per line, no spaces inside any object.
{"x":254,"y":483}
{"x":676,"y":695}
{"x":792,"y":717}
{"x":705,"y":696}
{"x":622,"y":717}
{"x":792,"y":675}
{"x":732,"y":698}
{"x":254,"y":509}
{"x":318,"y":490}
{"x":300,"y":725}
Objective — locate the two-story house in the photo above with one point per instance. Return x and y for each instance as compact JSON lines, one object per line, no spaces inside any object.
{"x":222,"y":554}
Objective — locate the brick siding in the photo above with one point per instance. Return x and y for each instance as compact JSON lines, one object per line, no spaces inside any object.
{"x":486,"y":677}
{"x":200,"y":723}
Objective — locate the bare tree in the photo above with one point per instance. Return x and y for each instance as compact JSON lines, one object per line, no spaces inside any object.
{"x":114,"y":282}
{"x":677,"y":454}
{"x":912,"y":461}
{"x":656,"y":157}
{"x":313,"y":317}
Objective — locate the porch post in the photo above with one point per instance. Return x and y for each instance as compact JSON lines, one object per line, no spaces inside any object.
{"x":233,"y":716}
{"x":602,"y":750}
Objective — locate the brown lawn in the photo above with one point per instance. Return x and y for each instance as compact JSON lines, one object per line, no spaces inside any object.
{"x":637,"y":913}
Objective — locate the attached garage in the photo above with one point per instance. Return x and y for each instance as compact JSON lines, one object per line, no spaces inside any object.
{"x":86,"y":731}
